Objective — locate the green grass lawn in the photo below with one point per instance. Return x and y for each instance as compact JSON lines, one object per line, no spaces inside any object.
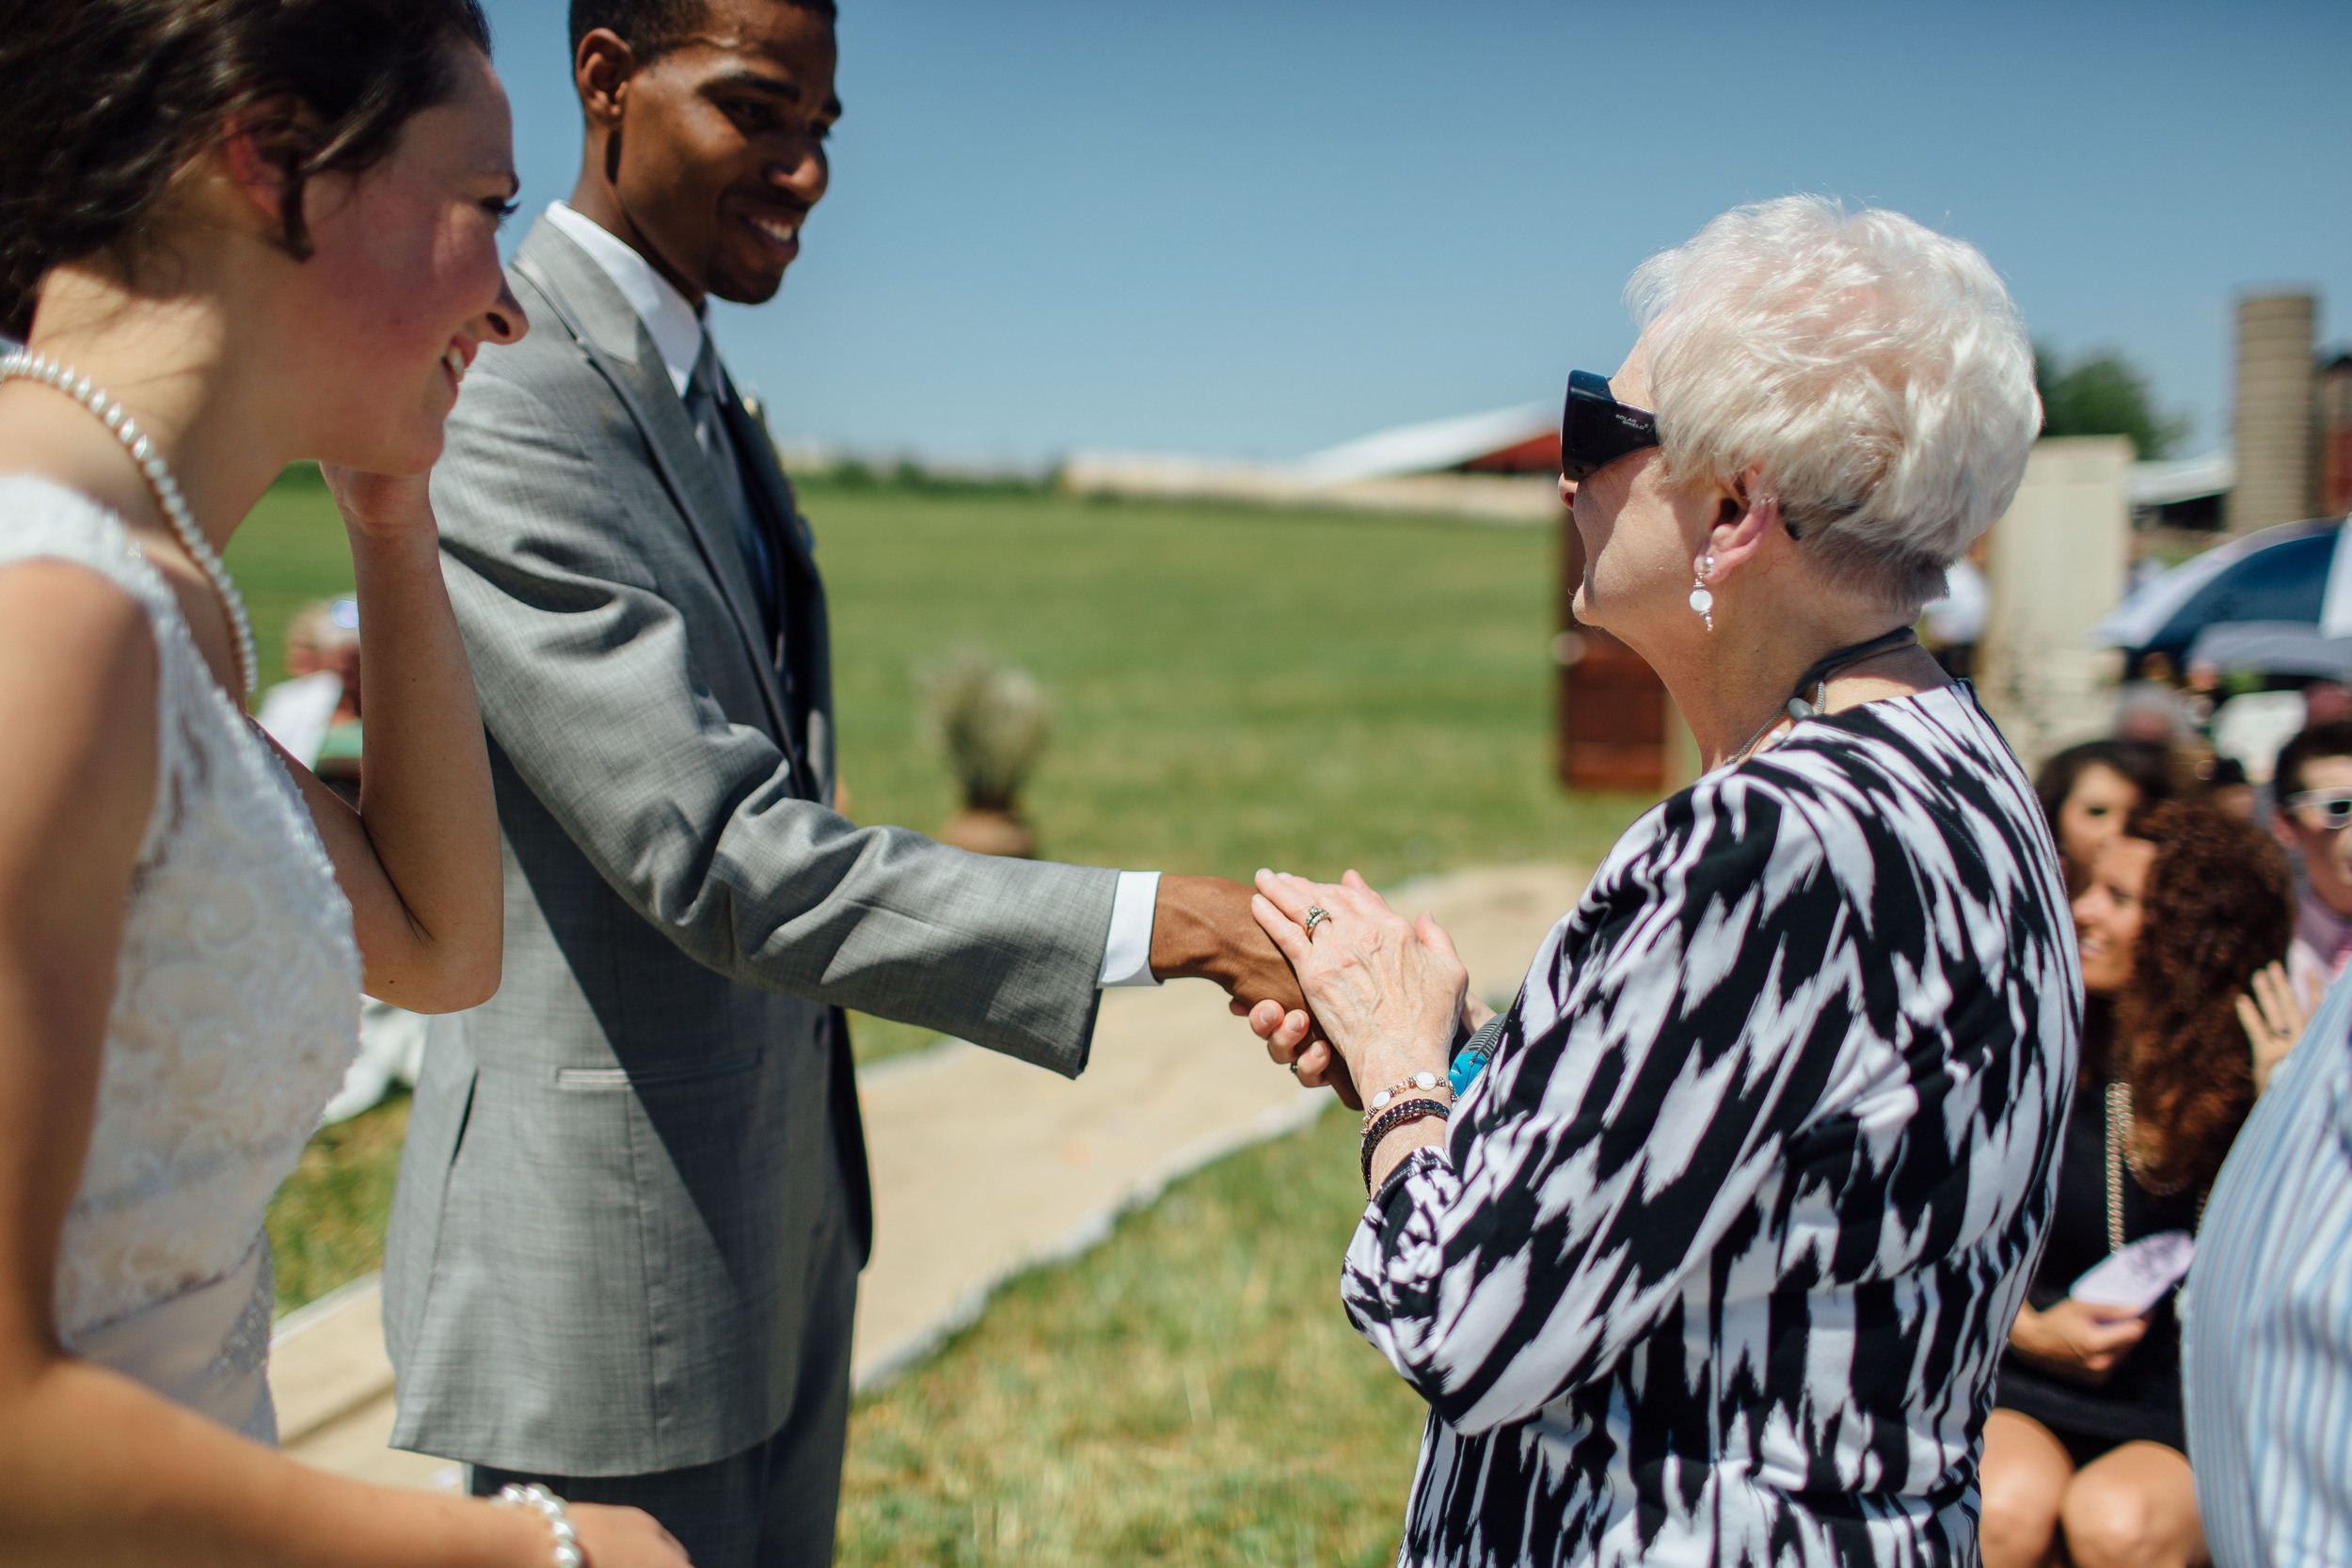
{"x":327,"y":1222}
{"x":1188,"y":1392}
{"x":289,"y":551}
{"x":1233,"y":687}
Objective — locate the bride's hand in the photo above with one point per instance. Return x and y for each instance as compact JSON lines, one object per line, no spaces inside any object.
{"x":376,"y":505}
{"x":625,"y":1538}
{"x":1387,"y":993}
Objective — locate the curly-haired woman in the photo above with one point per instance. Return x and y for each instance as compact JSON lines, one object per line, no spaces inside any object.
{"x":2086,"y":1448}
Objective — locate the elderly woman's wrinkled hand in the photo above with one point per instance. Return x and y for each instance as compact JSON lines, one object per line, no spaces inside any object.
{"x":1386,"y":991}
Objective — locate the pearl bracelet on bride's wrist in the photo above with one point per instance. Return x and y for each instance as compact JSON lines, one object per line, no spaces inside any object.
{"x":549,"y":1507}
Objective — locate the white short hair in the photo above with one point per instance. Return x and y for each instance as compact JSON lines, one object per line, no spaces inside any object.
{"x":1877,"y":371}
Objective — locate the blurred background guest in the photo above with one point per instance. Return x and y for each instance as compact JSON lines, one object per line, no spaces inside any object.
{"x":2153,"y":709}
{"x":2088,"y":791}
{"x":2252,"y":726}
{"x":2326,"y":703}
{"x":1951,"y":624}
{"x":2229,"y":790}
{"x":2086,"y":1453}
{"x":315,"y":717}
{"x":2313,"y":786}
{"x":315,"y":713}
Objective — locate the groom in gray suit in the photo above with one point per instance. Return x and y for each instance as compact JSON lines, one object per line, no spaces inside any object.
{"x":633,"y":1205}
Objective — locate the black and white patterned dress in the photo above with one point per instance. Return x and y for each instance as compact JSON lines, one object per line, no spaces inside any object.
{"x":1718,"y":1262}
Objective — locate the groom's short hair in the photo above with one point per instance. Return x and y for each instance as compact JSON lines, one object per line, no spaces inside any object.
{"x":653,"y":27}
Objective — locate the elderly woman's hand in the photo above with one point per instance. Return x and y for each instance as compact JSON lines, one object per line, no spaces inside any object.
{"x":1386,"y":992}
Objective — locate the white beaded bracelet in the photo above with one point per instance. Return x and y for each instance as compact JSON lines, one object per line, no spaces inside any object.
{"x":549,"y":1507}
{"x":1419,"y":1082}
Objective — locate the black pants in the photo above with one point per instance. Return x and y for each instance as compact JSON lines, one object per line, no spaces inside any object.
{"x":774,"y":1504}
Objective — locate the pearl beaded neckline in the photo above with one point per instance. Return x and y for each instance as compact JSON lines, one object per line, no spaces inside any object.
{"x":25,"y":365}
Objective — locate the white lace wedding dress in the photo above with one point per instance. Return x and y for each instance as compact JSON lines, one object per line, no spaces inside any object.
{"x":235,"y":1012}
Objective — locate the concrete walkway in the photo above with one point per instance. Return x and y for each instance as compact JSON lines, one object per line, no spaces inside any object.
{"x":983,"y":1166}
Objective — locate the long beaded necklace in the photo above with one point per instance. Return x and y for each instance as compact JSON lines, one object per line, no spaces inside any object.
{"x":2121,"y":1154}
{"x":2119,"y":1142}
{"x":25,"y":365}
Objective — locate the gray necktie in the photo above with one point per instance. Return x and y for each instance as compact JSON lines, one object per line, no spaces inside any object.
{"x":705,"y":393}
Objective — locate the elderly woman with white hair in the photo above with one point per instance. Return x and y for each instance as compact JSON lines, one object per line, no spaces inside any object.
{"x":1713,"y":1260}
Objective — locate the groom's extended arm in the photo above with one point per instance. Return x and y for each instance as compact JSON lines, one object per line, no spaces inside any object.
{"x":590,"y":690}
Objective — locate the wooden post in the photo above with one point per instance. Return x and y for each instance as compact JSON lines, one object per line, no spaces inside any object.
{"x":1612,"y":731}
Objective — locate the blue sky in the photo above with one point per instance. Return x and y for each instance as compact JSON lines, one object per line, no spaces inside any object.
{"x":1259,"y":226}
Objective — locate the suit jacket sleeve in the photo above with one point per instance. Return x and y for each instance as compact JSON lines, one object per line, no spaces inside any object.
{"x":590,"y":685}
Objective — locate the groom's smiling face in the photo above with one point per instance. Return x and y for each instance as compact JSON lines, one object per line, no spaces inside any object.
{"x":715,"y":149}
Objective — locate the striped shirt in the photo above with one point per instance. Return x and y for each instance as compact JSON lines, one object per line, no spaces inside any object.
{"x":2266,"y":1337}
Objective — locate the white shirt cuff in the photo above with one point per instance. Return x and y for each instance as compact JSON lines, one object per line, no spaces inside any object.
{"x":1127,"y":957}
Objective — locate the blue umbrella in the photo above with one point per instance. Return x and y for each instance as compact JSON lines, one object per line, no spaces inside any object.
{"x":2292,"y":573}
{"x":2273,"y":647}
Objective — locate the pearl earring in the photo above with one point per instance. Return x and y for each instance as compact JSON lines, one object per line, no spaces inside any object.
{"x":1702,"y":596}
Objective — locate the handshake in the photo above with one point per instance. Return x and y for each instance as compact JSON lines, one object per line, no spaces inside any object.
{"x":1343,"y":989}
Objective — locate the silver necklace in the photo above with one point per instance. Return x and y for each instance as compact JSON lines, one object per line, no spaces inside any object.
{"x":25,"y":365}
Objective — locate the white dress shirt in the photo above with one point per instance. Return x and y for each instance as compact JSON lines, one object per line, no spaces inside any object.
{"x":677,"y":330}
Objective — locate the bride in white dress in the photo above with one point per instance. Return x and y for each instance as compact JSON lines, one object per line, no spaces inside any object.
{"x":237,"y":233}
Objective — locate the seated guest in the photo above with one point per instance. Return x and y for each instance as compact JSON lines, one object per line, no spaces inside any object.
{"x":1713,"y":1260}
{"x":2228,"y":787}
{"x":2086,"y":1451}
{"x":2313,"y":783}
{"x":2086,"y":791}
{"x":315,"y":716}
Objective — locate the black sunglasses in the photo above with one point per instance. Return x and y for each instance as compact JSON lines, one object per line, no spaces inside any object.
{"x":1596,"y":429}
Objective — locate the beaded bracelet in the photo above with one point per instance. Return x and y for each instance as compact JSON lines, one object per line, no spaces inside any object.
{"x":1424,"y":1082}
{"x":549,"y":1507}
{"x":1389,"y":1121}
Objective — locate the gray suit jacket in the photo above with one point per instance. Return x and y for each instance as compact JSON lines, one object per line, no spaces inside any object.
{"x":619,"y":1169}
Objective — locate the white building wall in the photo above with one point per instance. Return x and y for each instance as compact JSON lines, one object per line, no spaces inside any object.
{"x":2055,"y":565}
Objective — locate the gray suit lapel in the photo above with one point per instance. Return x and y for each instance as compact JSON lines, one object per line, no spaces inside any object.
{"x":806,"y":623}
{"x":600,"y":318}
{"x":759,"y":452}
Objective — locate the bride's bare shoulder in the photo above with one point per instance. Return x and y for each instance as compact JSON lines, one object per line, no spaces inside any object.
{"x":78,"y":674}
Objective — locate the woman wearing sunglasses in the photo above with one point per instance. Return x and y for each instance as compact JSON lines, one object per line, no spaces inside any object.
{"x":1714,"y":1258}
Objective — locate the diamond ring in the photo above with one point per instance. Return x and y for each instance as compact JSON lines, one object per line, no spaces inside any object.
{"x":1316,"y":915}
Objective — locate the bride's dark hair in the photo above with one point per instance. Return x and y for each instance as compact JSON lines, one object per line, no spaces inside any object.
{"x":110,"y":100}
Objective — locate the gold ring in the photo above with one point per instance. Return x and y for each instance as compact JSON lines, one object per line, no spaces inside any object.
{"x":1316,"y":915}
